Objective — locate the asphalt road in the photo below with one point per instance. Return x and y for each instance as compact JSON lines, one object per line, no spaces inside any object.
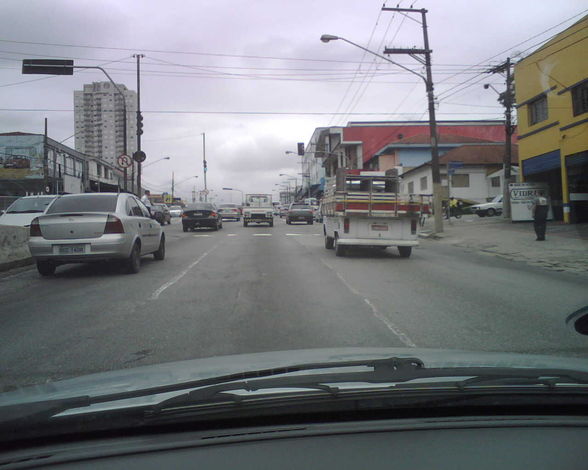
{"x":254,"y":289}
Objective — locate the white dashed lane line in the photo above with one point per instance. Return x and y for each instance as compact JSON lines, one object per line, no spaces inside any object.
{"x":201,"y":235}
{"x":262,"y":234}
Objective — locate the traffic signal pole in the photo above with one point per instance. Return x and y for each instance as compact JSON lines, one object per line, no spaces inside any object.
{"x":139,"y":119}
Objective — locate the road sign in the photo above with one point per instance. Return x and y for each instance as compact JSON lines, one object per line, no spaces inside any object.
{"x":47,"y":66}
{"x":139,"y":156}
{"x":124,"y":161}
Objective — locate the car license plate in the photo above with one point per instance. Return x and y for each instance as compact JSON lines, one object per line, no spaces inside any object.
{"x":379,"y":227}
{"x":196,"y":213}
{"x":71,"y":249}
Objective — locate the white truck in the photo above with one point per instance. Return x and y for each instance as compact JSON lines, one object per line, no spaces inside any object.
{"x":364,"y":208}
{"x":258,"y":209}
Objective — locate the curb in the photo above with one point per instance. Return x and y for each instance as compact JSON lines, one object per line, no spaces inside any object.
{"x":19,"y":263}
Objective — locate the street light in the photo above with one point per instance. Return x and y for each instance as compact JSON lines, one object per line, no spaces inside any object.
{"x":151,"y":163}
{"x":65,"y":67}
{"x":437,"y":211}
{"x":235,"y":189}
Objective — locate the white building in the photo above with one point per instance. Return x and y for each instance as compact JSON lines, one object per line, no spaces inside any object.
{"x":98,"y":115}
{"x":479,"y":178}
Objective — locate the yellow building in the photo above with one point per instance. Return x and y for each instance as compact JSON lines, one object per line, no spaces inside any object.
{"x":552,"y":103}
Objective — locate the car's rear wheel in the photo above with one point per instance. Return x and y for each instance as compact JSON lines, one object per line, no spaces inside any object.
{"x":245,"y":224}
{"x":46,"y":268}
{"x":329,"y":242}
{"x":159,"y":255}
{"x":310,"y":222}
{"x":340,"y":250}
{"x":271,"y":224}
{"x":481,"y":214}
{"x":491,"y":212}
{"x":405,"y":251}
{"x":185,"y":228}
{"x":133,"y":263}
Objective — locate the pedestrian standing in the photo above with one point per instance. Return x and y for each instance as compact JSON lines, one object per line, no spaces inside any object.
{"x":540,"y":209}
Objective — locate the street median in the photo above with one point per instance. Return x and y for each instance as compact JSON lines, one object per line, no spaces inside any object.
{"x":14,"y":248}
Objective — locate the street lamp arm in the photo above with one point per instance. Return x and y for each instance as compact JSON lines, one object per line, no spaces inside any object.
{"x":184,"y":180}
{"x":329,"y":38}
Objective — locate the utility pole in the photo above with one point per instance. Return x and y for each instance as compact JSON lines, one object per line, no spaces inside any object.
{"x":204,"y":166}
{"x":139,"y":119}
{"x":506,"y":98}
{"x":426,"y":51}
{"x":45,"y":162}
{"x":173,"y":183}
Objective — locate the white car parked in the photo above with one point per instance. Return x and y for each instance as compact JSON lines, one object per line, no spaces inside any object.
{"x":489,"y":209}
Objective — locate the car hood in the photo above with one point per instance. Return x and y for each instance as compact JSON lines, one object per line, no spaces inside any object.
{"x":486,"y":205}
{"x":139,"y":378}
{"x":19,"y":220}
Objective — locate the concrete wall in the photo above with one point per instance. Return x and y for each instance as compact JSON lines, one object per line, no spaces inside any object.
{"x":14,"y":249}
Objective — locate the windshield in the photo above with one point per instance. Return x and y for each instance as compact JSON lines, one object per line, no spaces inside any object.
{"x":85,"y":203}
{"x":34,"y":204}
{"x":353,"y":179}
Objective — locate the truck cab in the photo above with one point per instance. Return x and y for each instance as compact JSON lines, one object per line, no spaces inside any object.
{"x":258,"y":209}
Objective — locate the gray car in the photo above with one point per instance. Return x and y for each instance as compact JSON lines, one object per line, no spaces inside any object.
{"x":81,"y":228}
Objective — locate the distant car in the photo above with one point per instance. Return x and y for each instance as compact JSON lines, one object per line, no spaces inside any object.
{"x":22,"y":211}
{"x":318,"y":214}
{"x":175,"y":211}
{"x":81,"y":228}
{"x":300,"y":213}
{"x":161,"y":213}
{"x":201,"y":214}
{"x":230,"y":212}
{"x":489,"y":209}
{"x":283,"y":211}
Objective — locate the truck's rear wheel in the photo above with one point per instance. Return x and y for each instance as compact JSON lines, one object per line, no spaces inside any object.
{"x":405,"y":251}
{"x":245,"y":224}
{"x":271,"y":224}
{"x":329,"y":243}
{"x":340,"y":250}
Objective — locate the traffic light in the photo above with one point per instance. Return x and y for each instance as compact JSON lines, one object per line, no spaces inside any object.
{"x":301,"y":149}
{"x":139,"y":123}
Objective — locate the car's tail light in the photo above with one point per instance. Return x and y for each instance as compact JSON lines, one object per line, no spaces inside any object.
{"x":346,"y":225}
{"x":413,"y":226}
{"x":35,"y":228}
{"x":184,"y":214}
{"x":113,"y":225}
{"x":213,"y":214}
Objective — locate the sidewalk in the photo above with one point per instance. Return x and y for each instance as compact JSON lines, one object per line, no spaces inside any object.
{"x":565,"y":247}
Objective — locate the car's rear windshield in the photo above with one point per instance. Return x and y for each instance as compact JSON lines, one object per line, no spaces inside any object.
{"x":200,"y":207}
{"x":30,"y":205}
{"x":176,"y":207}
{"x":301,"y":207}
{"x":84,"y":203}
{"x":229,"y":206}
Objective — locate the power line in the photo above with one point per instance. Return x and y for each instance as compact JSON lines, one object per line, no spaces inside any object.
{"x":505,"y":51}
{"x":260,"y":113}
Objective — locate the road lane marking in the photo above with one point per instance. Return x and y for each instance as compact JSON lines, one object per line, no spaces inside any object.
{"x":231,"y":234}
{"x":262,"y":234}
{"x":389,"y":324}
{"x":175,"y":279}
{"x":293,"y":234}
{"x":202,"y":235}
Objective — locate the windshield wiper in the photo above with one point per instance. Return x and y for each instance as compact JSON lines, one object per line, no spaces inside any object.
{"x":389,"y":371}
{"x":30,"y":211}
{"x":394,"y":375}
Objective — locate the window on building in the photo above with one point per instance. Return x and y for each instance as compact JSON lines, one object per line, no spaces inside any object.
{"x":460,"y":181}
{"x":495,"y":181}
{"x":411,"y":187}
{"x":538,"y":110}
{"x":424,"y":183}
{"x":580,"y":99}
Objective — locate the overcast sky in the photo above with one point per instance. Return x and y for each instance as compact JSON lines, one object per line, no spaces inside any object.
{"x":208,"y":61}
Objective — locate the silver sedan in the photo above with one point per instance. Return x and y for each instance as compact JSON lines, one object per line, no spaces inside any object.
{"x":81,"y":228}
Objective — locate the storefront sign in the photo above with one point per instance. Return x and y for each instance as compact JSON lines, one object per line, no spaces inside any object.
{"x":522,"y":198}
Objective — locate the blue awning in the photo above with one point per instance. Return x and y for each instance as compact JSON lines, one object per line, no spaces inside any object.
{"x":577,"y":159}
{"x":541,"y":163}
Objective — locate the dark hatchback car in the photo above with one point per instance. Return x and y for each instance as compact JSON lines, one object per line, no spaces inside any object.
{"x":160,"y":212}
{"x":201,"y":214}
